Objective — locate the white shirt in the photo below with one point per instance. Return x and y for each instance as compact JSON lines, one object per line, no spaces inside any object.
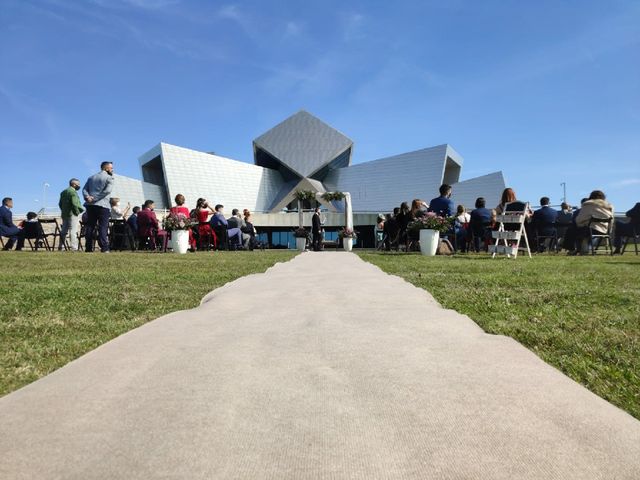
{"x":464,"y":218}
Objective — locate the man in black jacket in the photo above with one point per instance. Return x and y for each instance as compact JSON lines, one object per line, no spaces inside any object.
{"x":627,"y":229}
{"x":316,"y":230}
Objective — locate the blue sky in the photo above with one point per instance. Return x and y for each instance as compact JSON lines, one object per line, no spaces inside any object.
{"x":546,"y":91}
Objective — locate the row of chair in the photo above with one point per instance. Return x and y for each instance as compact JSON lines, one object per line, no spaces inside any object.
{"x":544,"y":241}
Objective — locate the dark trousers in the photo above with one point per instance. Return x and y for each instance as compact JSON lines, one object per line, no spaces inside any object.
{"x":317,"y":241}
{"x":100,"y":216}
{"x":623,"y":230}
{"x":14,"y":234}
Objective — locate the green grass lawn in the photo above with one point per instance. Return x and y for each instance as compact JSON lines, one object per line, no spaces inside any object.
{"x":580,"y":314}
{"x":54,"y":307}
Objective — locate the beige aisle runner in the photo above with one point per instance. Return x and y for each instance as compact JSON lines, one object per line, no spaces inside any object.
{"x":322,"y":368}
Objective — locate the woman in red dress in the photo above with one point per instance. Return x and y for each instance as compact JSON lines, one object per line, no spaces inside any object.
{"x":181,"y":209}
{"x":205,"y":234}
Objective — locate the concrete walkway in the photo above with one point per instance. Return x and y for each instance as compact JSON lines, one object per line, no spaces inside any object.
{"x":322,"y":368}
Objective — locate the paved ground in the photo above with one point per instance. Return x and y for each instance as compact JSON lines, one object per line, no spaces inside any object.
{"x":322,"y":368}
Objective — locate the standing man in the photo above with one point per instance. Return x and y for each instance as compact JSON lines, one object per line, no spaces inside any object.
{"x":71,"y":209}
{"x":316,"y":229}
{"x":7,"y":227}
{"x":96,"y":195}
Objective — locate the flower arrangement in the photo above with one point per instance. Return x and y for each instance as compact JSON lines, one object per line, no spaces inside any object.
{"x":305,"y":195}
{"x":176,"y":221}
{"x":347,"y":233}
{"x":333,"y":196}
{"x":300,"y":233}
{"x":431,"y":221}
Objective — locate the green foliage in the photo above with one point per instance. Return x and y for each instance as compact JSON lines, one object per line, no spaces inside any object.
{"x":303,"y":195}
{"x":347,"y":233}
{"x":431,"y":221}
{"x":300,"y":232}
{"x":580,"y":314}
{"x":333,"y":196}
{"x":56,"y":307}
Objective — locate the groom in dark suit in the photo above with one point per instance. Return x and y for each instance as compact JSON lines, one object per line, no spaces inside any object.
{"x":316,"y":230}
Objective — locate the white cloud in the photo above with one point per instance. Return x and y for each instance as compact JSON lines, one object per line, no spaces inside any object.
{"x":353,"y":25}
{"x":627,"y":182}
{"x":293,"y":29}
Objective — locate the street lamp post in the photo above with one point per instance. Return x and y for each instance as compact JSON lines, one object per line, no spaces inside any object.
{"x":45,"y":185}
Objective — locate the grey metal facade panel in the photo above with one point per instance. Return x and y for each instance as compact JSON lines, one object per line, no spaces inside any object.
{"x":304,"y":143}
{"x":135,"y":192}
{"x":222,"y":180}
{"x":150,"y":154}
{"x":380,"y":185}
{"x":488,"y":186}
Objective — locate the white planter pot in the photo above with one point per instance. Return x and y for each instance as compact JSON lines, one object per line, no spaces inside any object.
{"x":180,"y":241}
{"x":301,"y":243}
{"x":347,"y":244}
{"x":429,"y":240}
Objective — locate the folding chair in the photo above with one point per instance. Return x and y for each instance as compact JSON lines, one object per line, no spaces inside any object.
{"x":118,"y":234}
{"x":636,"y":240}
{"x":222,"y":234}
{"x":35,"y":236}
{"x":150,"y":242}
{"x":50,"y":234}
{"x":596,"y":237}
{"x":511,"y":231}
{"x":542,"y":239}
{"x":206,"y":237}
{"x":480,"y":232}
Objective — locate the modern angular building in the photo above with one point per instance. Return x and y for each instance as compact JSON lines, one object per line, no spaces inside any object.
{"x":303,"y":153}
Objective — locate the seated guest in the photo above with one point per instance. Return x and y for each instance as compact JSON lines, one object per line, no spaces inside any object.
{"x":181,"y":209}
{"x":116,"y":211}
{"x":596,"y":207}
{"x":418,"y":209}
{"x":249,"y":229}
{"x":8,"y":228}
{"x":544,"y":218}
{"x":565,"y":215}
{"x":443,"y":205}
{"x":508,"y":196}
{"x":403,"y":219}
{"x":218,"y":221}
{"x":236,"y":221}
{"x":569,"y":237}
{"x":628,"y":229}
{"x":480,"y":222}
{"x":148,"y":226}
{"x":391,"y":228}
{"x":544,"y":221}
{"x":32,"y":217}
{"x":118,"y":228}
{"x":205,"y":232}
{"x":132,"y":221}
{"x":461,"y":226}
{"x":31,"y":229}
